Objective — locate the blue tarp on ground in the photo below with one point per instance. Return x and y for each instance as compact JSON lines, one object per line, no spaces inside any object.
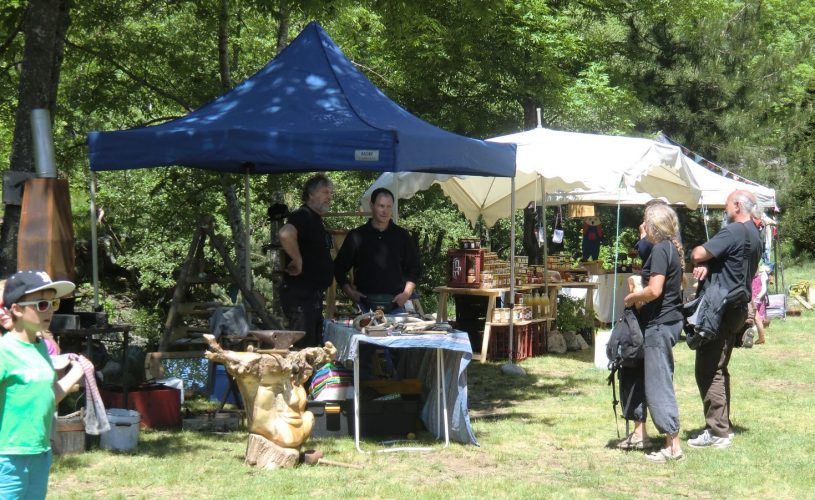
{"x":309,"y":109}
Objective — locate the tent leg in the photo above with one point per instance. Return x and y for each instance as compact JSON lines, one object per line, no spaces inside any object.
{"x":396,"y":197}
{"x":511,"y":270}
{"x":247,"y":211}
{"x":94,"y":256}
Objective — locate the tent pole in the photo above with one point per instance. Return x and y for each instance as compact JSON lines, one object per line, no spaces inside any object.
{"x":511,"y":269}
{"x":704,"y":221}
{"x":545,"y":246}
{"x":247,"y":210}
{"x":94,"y":256}
{"x":616,"y":256}
{"x":396,"y":197}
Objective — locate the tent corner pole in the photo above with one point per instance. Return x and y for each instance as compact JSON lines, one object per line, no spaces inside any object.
{"x":511,"y":271}
{"x":396,"y":197}
{"x":247,"y":213}
{"x":94,"y":256}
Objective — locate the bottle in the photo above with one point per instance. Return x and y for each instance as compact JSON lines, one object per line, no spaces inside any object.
{"x":535,"y":305}
{"x":544,"y":302}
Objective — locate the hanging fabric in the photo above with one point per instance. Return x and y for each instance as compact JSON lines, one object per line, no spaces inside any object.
{"x":557,"y":231}
{"x":539,"y":231}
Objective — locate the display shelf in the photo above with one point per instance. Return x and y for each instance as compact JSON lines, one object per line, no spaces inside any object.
{"x":520,"y":323}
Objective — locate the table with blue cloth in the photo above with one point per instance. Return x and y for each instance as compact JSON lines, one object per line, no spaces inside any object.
{"x":457,"y":354}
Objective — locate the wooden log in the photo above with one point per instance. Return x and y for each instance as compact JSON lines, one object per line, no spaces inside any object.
{"x":802,"y":301}
{"x":264,"y":454}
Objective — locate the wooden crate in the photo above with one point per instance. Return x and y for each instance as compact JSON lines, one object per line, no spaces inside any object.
{"x":69,"y":434}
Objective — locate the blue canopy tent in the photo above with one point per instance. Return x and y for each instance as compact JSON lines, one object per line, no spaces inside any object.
{"x":309,"y":109}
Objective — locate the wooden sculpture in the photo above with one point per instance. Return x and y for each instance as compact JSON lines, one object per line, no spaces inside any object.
{"x":271,"y":384}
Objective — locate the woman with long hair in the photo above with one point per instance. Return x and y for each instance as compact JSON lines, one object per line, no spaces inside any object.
{"x":661,"y":317}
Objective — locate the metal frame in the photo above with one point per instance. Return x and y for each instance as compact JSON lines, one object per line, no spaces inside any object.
{"x":442,"y":405}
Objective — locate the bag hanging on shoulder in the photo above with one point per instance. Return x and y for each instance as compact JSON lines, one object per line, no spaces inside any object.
{"x":625,"y":346}
{"x":703,"y":315}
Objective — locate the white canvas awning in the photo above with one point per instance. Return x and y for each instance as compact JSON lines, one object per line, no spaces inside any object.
{"x":553,"y":161}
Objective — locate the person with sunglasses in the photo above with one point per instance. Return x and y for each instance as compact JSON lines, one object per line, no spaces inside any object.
{"x":29,"y":388}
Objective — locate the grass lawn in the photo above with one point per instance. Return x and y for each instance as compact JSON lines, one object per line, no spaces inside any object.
{"x":548,"y":434}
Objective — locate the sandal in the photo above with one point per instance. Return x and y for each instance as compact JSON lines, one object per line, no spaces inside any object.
{"x":664,"y":456}
{"x":634,"y":442}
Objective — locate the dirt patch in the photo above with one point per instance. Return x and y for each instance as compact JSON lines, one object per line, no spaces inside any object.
{"x":775,"y":384}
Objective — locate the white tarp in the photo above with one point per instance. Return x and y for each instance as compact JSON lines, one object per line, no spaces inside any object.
{"x":554,"y":161}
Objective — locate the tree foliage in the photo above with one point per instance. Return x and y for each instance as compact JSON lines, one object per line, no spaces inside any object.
{"x":731,"y":80}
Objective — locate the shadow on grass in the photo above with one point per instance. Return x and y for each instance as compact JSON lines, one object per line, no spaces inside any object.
{"x":158,"y":444}
{"x":490,"y":390}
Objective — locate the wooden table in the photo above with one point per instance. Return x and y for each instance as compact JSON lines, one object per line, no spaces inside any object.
{"x":491,"y":294}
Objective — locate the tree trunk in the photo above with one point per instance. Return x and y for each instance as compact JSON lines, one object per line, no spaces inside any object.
{"x":530,"y":113}
{"x":44,"y":29}
{"x":275,"y":191}
{"x":233,"y":206}
{"x":283,"y":26}
{"x":264,"y":454}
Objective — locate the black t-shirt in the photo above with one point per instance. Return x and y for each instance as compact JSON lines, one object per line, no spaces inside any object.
{"x":315,"y":247}
{"x":728,"y":247}
{"x":666,"y":308}
{"x":383,"y":261}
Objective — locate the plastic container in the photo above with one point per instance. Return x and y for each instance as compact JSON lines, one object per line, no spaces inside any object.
{"x":158,"y":405}
{"x":220,"y":384}
{"x":600,"y":343}
{"x":124,"y":430}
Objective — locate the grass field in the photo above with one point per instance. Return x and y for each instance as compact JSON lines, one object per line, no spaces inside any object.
{"x":549,"y":434}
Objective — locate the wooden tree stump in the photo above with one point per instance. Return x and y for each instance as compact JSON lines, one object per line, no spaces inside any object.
{"x":262,"y":453}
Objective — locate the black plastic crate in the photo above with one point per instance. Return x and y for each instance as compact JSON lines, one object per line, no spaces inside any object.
{"x":389,"y":418}
{"x":332,"y":418}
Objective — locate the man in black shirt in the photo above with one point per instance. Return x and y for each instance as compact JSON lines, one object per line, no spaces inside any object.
{"x":384,"y":259}
{"x":309,"y":269}
{"x":730,"y":257}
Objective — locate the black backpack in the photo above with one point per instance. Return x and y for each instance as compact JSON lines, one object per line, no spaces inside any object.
{"x":625,"y":348}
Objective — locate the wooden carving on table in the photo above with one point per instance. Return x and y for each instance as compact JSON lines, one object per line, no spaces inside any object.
{"x":271,"y":384}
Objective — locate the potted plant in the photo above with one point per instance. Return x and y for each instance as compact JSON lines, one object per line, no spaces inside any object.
{"x":572,"y":316}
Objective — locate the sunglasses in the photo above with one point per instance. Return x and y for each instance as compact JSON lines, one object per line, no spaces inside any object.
{"x":42,"y":305}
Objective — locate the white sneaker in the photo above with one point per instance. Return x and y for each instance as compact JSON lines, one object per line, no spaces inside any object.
{"x":707,"y":440}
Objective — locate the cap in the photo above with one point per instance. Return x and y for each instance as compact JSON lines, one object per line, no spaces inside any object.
{"x":25,"y":282}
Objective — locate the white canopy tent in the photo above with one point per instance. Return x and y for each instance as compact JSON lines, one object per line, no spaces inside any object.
{"x":619,"y":167}
{"x":715,"y":189}
{"x":550,"y":161}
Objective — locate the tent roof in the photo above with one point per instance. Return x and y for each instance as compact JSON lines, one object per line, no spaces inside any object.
{"x":715,"y":190}
{"x":569,"y":161}
{"x":308,"y":109}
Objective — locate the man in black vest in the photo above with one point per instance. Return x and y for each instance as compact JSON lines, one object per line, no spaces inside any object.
{"x":731,"y":257}
{"x":309,"y":269}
